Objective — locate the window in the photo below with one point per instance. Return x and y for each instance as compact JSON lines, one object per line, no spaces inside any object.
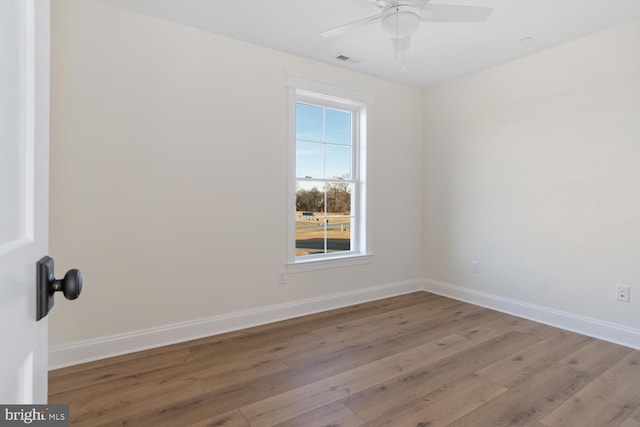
{"x":328,"y":201}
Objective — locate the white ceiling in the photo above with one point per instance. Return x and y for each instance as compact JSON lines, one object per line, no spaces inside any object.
{"x":439,"y":51}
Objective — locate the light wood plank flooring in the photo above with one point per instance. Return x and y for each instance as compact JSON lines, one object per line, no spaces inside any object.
{"x":413,"y":360}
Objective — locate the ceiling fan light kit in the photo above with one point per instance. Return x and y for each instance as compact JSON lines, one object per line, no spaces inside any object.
{"x":401,"y":20}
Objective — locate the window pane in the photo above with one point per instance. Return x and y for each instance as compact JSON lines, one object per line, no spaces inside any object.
{"x":338,"y":234}
{"x":309,"y":199}
{"x":310,"y":235}
{"x":338,"y":198}
{"x":309,"y":159}
{"x":308,"y":122}
{"x":338,"y":127}
{"x":337,"y":162}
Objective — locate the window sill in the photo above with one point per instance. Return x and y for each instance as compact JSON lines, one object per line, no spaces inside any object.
{"x":327,"y":263}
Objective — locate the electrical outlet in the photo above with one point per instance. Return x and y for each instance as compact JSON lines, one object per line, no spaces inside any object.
{"x":475,"y":266}
{"x":622,"y":293}
{"x":283,"y":277}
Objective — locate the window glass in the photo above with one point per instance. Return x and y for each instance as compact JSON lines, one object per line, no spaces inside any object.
{"x":309,"y":159}
{"x":309,"y":122}
{"x":338,"y":127}
{"x":337,"y":161}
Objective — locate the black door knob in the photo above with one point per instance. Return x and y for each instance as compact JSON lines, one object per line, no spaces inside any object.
{"x":70,"y":286}
{"x":47,"y":286}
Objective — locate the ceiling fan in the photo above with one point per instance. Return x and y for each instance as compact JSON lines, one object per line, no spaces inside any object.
{"x":401,"y":19}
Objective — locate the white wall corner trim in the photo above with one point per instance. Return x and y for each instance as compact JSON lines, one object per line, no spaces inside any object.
{"x":606,"y":331}
{"x":85,"y":351}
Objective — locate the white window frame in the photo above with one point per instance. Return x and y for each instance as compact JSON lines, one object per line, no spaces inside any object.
{"x":360,"y":103}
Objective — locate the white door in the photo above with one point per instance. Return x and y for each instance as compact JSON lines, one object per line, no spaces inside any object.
{"x":24,"y":181}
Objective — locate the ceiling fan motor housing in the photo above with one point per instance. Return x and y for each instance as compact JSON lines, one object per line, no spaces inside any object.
{"x":401,"y":20}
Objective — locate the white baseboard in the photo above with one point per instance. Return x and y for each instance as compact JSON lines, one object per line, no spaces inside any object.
{"x":114,"y":345}
{"x":100,"y":348}
{"x":606,"y":331}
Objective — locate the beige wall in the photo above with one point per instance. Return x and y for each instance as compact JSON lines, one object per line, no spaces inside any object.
{"x":169,"y":174}
{"x":533,"y":168}
{"x":165,"y":139}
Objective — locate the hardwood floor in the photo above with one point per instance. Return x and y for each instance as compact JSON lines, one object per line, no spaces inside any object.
{"x":414,"y":360}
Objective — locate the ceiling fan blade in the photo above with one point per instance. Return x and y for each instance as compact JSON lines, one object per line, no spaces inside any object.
{"x":375,"y":3}
{"x":352,"y":26}
{"x":452,"y":13}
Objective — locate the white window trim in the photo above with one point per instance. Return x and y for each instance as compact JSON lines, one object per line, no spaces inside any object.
{"x":365,"y":101}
